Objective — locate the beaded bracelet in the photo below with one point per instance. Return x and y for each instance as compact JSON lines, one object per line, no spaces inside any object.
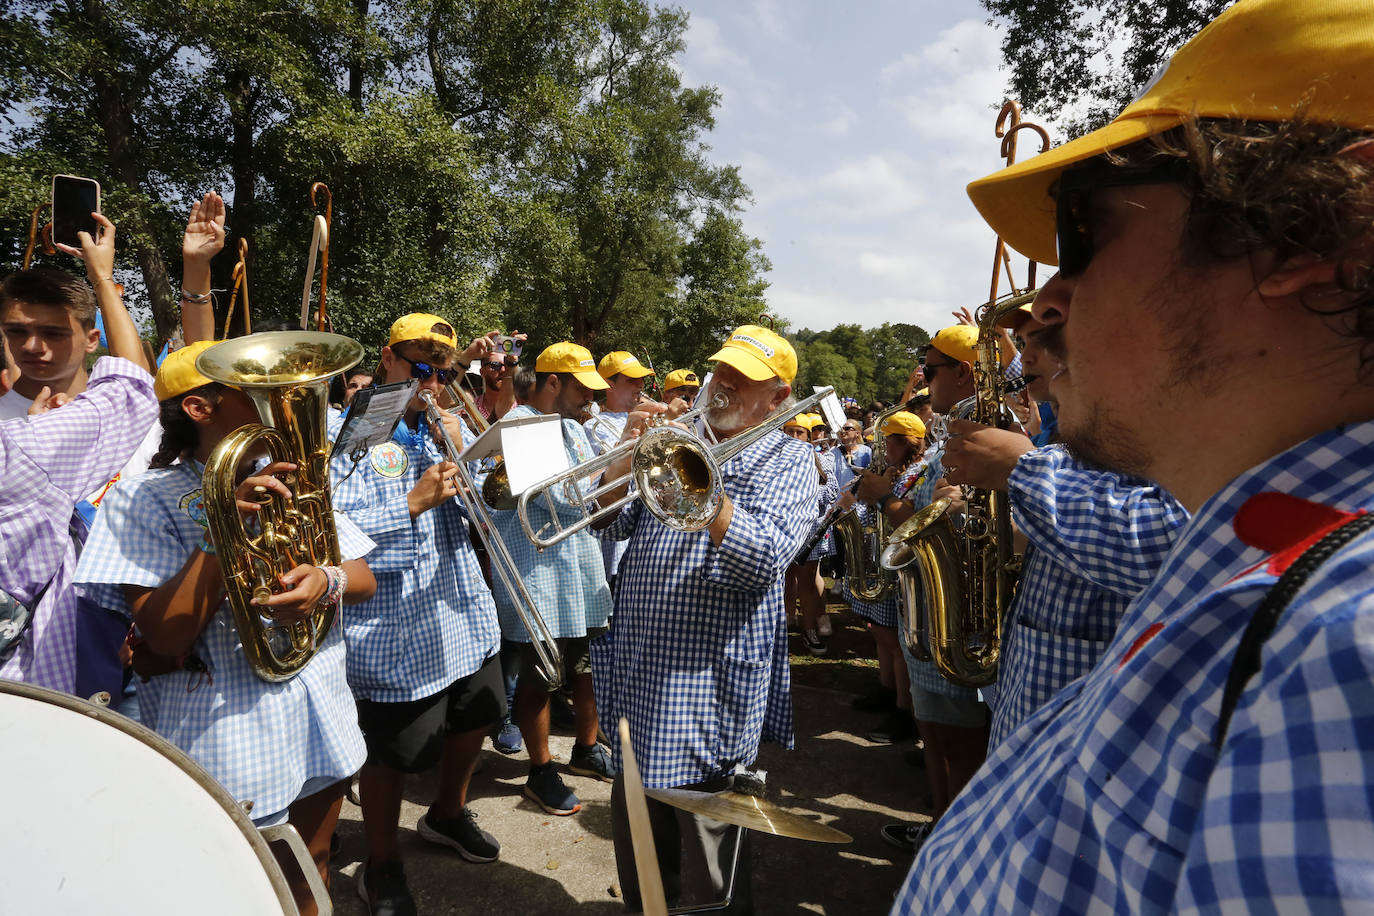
{"x":197,"y":298}
{"x":338,"y":582}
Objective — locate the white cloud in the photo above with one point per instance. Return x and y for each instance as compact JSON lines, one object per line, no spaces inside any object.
{"x":819,"y":309}
{"x":876,"y":185}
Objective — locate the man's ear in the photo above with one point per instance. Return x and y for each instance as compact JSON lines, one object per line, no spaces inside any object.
{"x":198,"y":407}
{"x":92,"y":340}
{"x":388,"y":359}
{"x":1297,"y":275}
{"x":780,"y":395}
{"x":5,"y":384}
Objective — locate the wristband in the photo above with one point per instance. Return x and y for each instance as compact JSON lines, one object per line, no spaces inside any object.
{"x":107,"y":280}
{"x":338,"y":582}
{"x":197,"y":298}
{"x":207,"y":547}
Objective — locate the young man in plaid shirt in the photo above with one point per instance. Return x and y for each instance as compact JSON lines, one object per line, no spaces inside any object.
{"x":1221,"y":226}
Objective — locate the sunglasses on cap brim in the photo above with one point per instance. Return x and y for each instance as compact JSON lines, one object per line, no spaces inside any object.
{"x":1073,"y":198}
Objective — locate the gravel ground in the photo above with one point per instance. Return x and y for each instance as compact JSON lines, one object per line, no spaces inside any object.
{"x":566,"y":864}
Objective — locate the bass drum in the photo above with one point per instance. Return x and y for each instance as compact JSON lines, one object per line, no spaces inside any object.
{"x":101,"y":815}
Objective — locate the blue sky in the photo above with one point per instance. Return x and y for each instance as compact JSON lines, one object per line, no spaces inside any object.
{"x":857,"y":126}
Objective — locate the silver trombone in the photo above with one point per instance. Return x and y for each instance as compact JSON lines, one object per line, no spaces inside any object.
{"x":673,"y":471}
{"x":541,"y":637}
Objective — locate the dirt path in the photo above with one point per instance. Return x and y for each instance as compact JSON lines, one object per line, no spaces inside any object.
{"x":565,"y":864}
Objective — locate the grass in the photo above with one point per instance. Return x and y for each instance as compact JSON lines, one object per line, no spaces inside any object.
{"x":848,"y":667}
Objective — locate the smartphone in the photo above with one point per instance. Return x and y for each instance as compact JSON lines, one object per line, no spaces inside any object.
{"x":74,"y":199}
{"x":509,"y":346}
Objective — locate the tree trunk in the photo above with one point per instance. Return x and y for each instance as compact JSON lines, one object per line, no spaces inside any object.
{"x":242,"y":99}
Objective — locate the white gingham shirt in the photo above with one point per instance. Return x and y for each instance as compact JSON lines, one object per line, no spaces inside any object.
{"x":604,"y":433}
{"x":696,"y":658}
{"x":263,"y":742}
{"x":829,"y":492}
{"x":1111,"y":797}
{"x":567,"y":581}
{"x":48,"y":464}
{"x":432,"y":620}
{"x":1097,"y":539}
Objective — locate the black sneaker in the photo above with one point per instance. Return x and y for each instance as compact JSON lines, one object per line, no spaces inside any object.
{"x":814,"y":644}
{"x":880,"y":699}
{"x":594,"y":761}
{"x":915,"y":757}
{"x":899,"y":726}
{"x":545,"y":788}
{"x":383,"y":888}
{"x":460,"y":834}
{"x":909,"y":838}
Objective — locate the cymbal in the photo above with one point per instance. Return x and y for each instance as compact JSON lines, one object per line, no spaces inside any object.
{"x":749,"y":812}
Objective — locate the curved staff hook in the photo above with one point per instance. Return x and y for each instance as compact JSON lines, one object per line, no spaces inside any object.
{"x":1009,"y":124}
{"x":34,"y":235}
{"x":240,"y":282}
{"x":319,"y":243}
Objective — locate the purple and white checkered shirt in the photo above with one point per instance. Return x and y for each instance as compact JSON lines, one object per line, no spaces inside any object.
{"x":49,"y":463}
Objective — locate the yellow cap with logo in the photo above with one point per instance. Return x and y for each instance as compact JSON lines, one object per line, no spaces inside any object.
{"x":903,"y":423}
{"x":422,"y":326}
{"x":622,"y":362}
{"x":681,"y":378}
{"x":759,"y":354}
{"x":566,"y":356}
{"x":178,"y":374}
{"x":1261,"y":60}
{"x":958,"y":342}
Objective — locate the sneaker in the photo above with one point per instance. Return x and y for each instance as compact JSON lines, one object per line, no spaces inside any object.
{"x":823,"y":626}
{"x":383,"y":888}
{"x":594,"y":761}
{"x":460,"y":834}
{"x":545,"y":788}
{"x":507,"y":740}
{"x":814,"y":644}
{"x":909,"y":838}
{"x":915,"y":757}
{"x":561,"y":713}
{"x":899,"y":726}
{"x":879,"y":699}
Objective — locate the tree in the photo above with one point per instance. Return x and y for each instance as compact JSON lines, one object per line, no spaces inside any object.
{"x":1081,"y":61}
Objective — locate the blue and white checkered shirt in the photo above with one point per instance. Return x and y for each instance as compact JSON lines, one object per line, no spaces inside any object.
{"x":1097,"y":539}
{"x":829,"y":492}
{"x":1111,"y":798}
{"x":696,"y":658}
{"x":263,"y":742}
{"x":432,"y":620}
{"x":604,"y":431}
{"x":567,"y":581}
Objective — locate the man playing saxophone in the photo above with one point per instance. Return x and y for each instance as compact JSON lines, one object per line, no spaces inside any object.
{"x":696,"y":658}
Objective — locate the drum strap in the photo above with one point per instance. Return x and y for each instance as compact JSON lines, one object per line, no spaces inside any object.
{"x":1246,"y":663}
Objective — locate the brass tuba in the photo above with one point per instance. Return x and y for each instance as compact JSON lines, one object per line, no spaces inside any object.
{"x":287,"y":374}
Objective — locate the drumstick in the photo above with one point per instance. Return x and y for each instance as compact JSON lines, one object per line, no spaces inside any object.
{"x":651,"y":894}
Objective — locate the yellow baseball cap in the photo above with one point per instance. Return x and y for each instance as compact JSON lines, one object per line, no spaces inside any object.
{"x":798,"y":422}
{"x":1012,"y":320}
{"x":622,"y":362}
{"x":1262,"y":60}
{"x":923,"y":393}
{"x":422,"y":326}
{"x":759,"y":354}
{"x":178,"y":373}
{"x":957,"y":342}
{"x":903,"y":423}
{"x":566,"y":356}
{"x":813,"y":420}
{"x":681,"y":378}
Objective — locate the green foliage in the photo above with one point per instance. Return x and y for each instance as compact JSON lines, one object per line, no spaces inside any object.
{"x":531,"y":164}
{"x":863,"y":364}
{"x":1090,"y":57}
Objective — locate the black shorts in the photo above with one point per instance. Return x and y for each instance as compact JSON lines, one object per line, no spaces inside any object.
{"x":409,"y":736}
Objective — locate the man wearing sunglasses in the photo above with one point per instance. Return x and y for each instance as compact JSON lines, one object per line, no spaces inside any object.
{"x":422,"y":654}
{"x":1213,"y":246}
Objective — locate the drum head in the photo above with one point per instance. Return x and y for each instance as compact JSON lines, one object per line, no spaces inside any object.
{"x":103,"y":816}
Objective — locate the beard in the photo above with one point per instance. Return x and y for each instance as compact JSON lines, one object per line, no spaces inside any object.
{"x":1102,"y":441}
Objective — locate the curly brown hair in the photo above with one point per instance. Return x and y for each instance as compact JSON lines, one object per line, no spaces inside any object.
{"x":1291,"y":189}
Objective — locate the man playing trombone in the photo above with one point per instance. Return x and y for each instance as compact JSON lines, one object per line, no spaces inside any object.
{"x":696,"y":659}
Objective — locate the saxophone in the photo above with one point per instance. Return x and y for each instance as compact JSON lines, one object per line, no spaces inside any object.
{"x":957,"y":583}
{"x":287,"y":374}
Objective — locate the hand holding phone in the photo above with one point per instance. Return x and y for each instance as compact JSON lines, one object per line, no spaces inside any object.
{"x":74,"y":200}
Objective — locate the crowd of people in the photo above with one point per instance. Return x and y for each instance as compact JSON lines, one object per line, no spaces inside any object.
{"x":1183,"y":675}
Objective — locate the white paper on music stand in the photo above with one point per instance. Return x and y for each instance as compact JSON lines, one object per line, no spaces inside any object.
{"x":532,"y":448}
{"x":831,"y":409}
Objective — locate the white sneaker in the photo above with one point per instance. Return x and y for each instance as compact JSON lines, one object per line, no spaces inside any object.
{"x":823,"y":626}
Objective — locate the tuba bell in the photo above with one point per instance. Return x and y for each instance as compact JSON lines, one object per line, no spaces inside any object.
{"x":286,"y":373}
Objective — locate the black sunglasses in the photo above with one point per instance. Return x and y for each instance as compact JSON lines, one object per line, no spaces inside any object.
{"x":423,"y":371}
{"x":1073,"y":198}
{"x":928,"y":368}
